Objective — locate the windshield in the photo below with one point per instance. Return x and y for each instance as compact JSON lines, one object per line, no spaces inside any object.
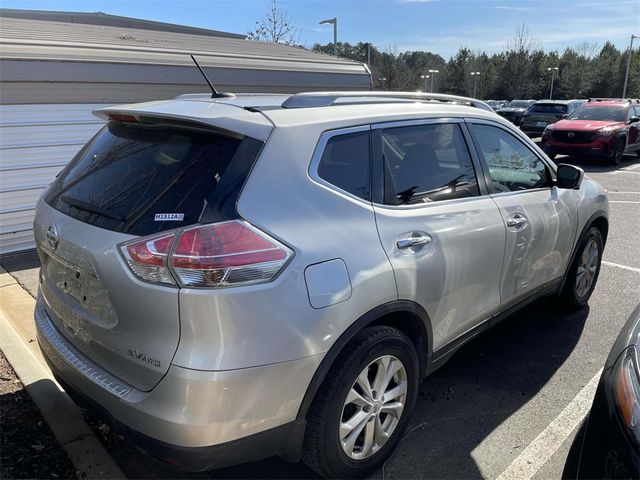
{"x":518,"y":104}
{"x":614,"y":114}
{"x":140,"y":180}
{"x":556,"y":108}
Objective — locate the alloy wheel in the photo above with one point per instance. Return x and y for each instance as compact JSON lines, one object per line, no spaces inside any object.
{"x":587,"y":267}
{"x":373,"y":407}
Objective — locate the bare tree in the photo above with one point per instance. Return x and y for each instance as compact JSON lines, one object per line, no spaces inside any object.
{"x":587,"y":50}
{"x":520,"y":55}
{"x":275,"y":26}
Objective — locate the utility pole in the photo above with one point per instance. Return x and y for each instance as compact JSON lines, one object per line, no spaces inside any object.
{"x":433,"y":72}
{"x":369,"y":55}
{"x":553,"y":71}
{"x":475,"y":82}
{"x":333,"y":21}
{"x":626,"y":75}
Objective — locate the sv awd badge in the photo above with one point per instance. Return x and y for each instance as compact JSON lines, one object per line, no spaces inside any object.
{"x":132,"y":352}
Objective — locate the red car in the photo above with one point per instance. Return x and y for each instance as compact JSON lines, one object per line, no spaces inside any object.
{"x":607,"y":128}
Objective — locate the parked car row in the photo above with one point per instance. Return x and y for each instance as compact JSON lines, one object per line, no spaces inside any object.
{"x":515,"y":110}
{"x":606,"y":128}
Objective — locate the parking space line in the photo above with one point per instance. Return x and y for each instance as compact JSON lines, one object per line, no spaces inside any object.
{"x":624,"y":201}
{"x":538,"y":452}
{"x":626,"y":193}
{"x":623,"y":267}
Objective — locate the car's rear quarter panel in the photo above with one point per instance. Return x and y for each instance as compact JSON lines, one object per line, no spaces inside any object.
{"x":275,"y":322}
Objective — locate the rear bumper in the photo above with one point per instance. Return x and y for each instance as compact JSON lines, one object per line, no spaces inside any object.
{"x":193,"y":419}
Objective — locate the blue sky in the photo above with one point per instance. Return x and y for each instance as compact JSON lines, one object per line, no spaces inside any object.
{"x":440,"y":26}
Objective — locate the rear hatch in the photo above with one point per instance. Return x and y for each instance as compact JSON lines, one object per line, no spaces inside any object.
{"x":542,"y":114}
{"x":131,"y":180}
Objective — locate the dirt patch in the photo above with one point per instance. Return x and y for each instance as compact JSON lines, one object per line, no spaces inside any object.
{"x":28,"y":449}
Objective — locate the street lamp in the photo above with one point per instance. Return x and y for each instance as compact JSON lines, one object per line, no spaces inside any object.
{"x":433,"y":72}
{"x":369,"y":45}
{"x":475,"y":81}
{"x":626,"y":75}
{"x":425,"y":77}
{"x":333,"y":21}
{"x":553,"y":71}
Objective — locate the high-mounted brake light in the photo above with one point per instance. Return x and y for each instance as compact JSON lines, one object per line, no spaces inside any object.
{"x":123,"y":117}
{"x":214,"y":255}
{"x":228,"y":253}
{"x":147,"y":258}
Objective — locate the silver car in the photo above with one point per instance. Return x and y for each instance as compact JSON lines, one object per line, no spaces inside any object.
{"x":228,"y":279}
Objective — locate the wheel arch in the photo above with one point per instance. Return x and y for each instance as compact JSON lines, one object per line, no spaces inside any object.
{"x":405,"y":315}
{"x":599,"y":220}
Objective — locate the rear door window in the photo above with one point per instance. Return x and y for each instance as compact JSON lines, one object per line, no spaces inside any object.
{"x":426,"y":163}
{"x":141,"y":180}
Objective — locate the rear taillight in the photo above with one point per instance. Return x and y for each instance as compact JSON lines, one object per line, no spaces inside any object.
{"x":147,"y":258}
{"x":215,"y":255}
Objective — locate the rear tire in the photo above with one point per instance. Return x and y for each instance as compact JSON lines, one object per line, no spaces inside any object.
{"x":583,"y":273}
{"x":346,"y":436}
{"x":618,"y":152}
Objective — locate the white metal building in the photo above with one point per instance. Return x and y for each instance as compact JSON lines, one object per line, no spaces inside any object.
{"x":56,"y":67}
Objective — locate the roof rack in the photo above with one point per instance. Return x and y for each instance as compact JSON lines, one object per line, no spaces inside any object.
{"x":630,"y":100}
{"x":327,"y":99}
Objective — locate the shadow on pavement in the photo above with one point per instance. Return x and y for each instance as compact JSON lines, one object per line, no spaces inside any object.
{"x":481,"y":386}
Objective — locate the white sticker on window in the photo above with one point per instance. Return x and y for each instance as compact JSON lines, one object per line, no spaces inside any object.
{"x":169,"y":217}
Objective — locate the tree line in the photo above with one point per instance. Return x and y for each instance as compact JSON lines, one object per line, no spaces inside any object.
{"x":520,"y":71}
{"x":523,"y":70}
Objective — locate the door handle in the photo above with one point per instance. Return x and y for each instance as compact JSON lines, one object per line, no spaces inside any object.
{"x":414,"y":242}
{"x":517,"y":221}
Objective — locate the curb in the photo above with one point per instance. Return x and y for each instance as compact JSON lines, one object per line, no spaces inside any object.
{"x":62,"y":415}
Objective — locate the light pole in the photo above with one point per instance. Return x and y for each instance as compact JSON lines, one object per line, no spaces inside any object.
{"x":553,"y":71}
{"x":333,"y":21}
{"x":475,"y":81}
{"x":433,"y":72}
{"x":425,"y":77}
{"x":626,"y":75}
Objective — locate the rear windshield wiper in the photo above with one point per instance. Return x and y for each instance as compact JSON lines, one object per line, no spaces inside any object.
{"x":90,"y":207}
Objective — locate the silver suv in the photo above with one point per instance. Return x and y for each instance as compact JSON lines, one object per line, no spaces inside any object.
{"x":233,"y":278}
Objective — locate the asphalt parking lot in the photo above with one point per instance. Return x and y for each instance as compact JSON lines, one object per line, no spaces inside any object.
{"x":487,"y":413}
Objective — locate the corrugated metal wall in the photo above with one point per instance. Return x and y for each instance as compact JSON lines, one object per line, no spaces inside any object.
{"x":36,"y":141}
{"x":52,"y":74}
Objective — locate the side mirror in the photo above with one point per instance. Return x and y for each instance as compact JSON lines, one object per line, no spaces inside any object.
{"x":569,"y":176}
{"x":634,"y":119}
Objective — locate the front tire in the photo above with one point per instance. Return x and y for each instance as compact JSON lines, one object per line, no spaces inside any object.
{"x":363,"y":406}
{"x":618,"y":152}
{"x":584,"y":271}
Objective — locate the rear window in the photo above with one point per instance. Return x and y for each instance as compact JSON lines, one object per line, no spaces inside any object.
{"x":141,"y":180}
{"x":548,"y":108}
{"x":345,"y":163}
